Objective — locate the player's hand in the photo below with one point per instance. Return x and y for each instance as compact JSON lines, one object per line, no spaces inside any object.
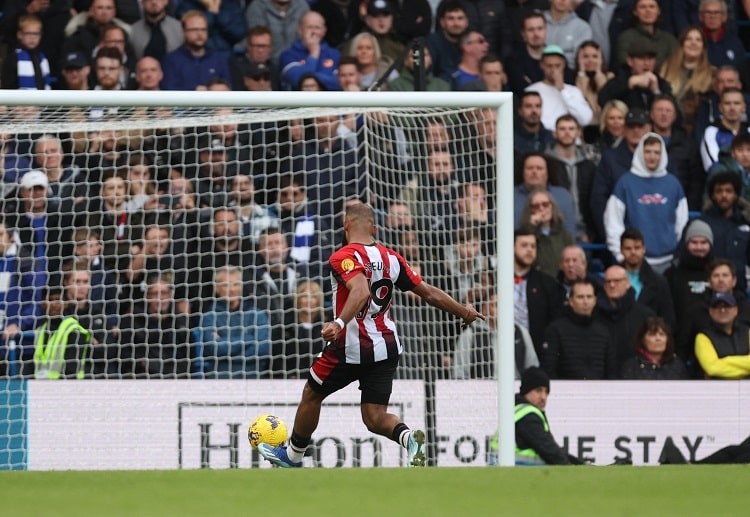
{"x":471,"y":315}
{"x":330,"y":331}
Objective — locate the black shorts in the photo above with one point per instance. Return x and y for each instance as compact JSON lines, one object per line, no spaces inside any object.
{"x":329,"y":374}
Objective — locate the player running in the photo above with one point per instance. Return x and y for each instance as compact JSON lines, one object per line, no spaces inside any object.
{"x":368,"y":350}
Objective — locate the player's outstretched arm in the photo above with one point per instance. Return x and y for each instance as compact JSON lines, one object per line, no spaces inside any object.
{"x":442,"y":300}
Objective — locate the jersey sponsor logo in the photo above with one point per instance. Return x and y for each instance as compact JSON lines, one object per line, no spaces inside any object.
{"x":652,"y":199}
{"x":347,"y":265}
{"x":328,"y":63}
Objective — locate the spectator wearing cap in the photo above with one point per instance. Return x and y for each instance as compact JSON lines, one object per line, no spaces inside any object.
{"x":717,"y":138}
{"x":650,"y":199}
{"x":637,"y":83}
{"x":565,"y":29}
{"x":156,"y":34}
{"x":724,"y":47}
{"x":728,"y":215}
{"x":443,"y":43}
{"x":535,"y":444}
{"x":646,"y":17}
{"x":559,"y":98}
{"x":723,"y":348}
{"x":256,"y":63}
{"x":378,"y":16}
{"x":75,"y":72}
{"x":193,"y":64}
{"x":615,"y":162}
{"x":148,"y":74}
{"x":281,"y":18}
{"x":309,"y":53}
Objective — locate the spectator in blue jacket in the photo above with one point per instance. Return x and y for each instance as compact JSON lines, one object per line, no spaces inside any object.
{"x":193,"y":64}
{"x":226,"y":21}
{"x":309,"y":53}
{"x":234,"y":334}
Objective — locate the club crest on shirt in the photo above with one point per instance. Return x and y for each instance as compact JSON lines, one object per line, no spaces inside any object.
{"x":347,"y":265}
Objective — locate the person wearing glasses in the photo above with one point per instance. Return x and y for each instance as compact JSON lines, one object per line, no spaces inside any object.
{"x":543,"y":217}
{"x":621,"y":313}
{"x":255,"y":70}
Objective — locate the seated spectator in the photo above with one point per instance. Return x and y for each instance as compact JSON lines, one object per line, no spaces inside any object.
{"x":612,"y":124}
{"x":464,"y":265}
{"x":226,"y":23}
{"x":737,"y":162}
{"x":281,"y":18}
{"x":473,"y":212}
{"x":405,"y":82}
{"x":83,"y":31}
{"x":116,"y":37}
{"x":62,"y":349}
{"x":578,"y":174}
{"x":682,"y":155}
{"x":492,"y":76}
{"x":26,"y":67}
{"x":142,"y":189}
{"x":148,"y":74}
{"x":655,"y":357}
{"x":108,"y":68}
{"x":492,"y":21}
{"x":618,"y":309}
{"x":645,"y":29}
{"x":637,"y":83}
{"x":20,"y":296}
{"x":443,"y":42}
{"x":349,"y":76}
{"x":650,"y":198}
{"x":75,"y":71}
{"x":364,"y":46}
{"x":256,"y":62}
{"x":577,"y":345}
{"x":558,"y":97}
{"x":309,"y":53}
{"x":718,"y":136}
{"x":535,"y":173}
{"x":565,"y":29}
{"x":156,"y":341}
{"x":724,"y":47}
{"x":728,"y":215}
{"x":254,"y":217}
{"x":157,"y":33}
{"x":119,"y":229}
{"x":310,"y":82}
{"x":529,"y":134}
{"x":526,"y":69}
{"x":688,"y":73}
{"x":378,"y":17}
{"x":573,"y":267}
{"x":708,"y":109}
{"x":651,"y":289}
{"x":615,"y":163}
{"x":474,"y":355}
{"x":723,"y":349}
{"x":64,"y":188}
{"x":474,"y":47}
{"x":193,"y":64}
{"x":294,"y":358}
{"x":591,"y":76}
{"x":104,"y":282}
{"x":234,"y":334}
{"x":542,"y":216}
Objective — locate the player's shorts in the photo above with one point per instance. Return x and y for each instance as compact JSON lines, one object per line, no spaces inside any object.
{"x":329,"y":374}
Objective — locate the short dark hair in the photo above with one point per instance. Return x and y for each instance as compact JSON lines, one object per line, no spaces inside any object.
{"x":580,"y":281}
{"x":350,"y":60}
{"x":633,"y":234}
{"x":536,"y":13}
{"x":742,"y":138}
{"x":523,"y":232}
{"x":450,"y":6}
{"x":109,"y":53}
{"x":716,"y":263}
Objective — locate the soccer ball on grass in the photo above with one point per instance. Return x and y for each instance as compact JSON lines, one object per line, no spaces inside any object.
{"x":268,"y":429}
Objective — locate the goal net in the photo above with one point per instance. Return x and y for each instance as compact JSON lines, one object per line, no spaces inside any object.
{"x":191,"y":242}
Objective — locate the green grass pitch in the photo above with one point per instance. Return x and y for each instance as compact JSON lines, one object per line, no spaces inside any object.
{"x":464,"y":492}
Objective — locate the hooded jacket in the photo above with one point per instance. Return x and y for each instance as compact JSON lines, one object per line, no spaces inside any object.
{"x":651,"y":201}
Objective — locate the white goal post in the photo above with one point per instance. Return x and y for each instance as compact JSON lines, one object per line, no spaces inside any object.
{"x":370,"y":101}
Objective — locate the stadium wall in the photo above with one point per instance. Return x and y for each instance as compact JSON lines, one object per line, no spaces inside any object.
{"x":100,"y":425}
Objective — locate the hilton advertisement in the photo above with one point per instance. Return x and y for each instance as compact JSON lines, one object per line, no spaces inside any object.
{"x":203,"y":424}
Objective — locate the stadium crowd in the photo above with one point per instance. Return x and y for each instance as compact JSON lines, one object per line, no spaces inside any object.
{"x":203,"y":252}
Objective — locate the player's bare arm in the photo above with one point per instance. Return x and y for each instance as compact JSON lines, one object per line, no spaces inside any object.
{"x":359,"y":292}
{"x":442,"y":300}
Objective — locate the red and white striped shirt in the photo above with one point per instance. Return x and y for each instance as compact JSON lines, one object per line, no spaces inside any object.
{"x":371,"y":336}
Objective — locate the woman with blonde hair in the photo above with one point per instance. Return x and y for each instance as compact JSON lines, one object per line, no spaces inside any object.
{"x":612,"y":123}
{"x":372,"y":63}
{"x":591,"y":75}
{"x":689,"y":73}
{"x":304,"y":341}
{"x":542,"y":216}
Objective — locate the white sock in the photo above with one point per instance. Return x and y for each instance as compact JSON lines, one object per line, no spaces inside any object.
{"x":403,"y":438}
{"x":294,"y":454}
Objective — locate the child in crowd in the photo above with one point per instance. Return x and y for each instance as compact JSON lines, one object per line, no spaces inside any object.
{"x":27,"y":67}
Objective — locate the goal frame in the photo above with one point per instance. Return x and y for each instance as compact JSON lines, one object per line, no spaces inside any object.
{"x":502,"y":102}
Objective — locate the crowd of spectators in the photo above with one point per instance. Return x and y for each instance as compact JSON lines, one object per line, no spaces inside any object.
{"x":203,"y":251}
